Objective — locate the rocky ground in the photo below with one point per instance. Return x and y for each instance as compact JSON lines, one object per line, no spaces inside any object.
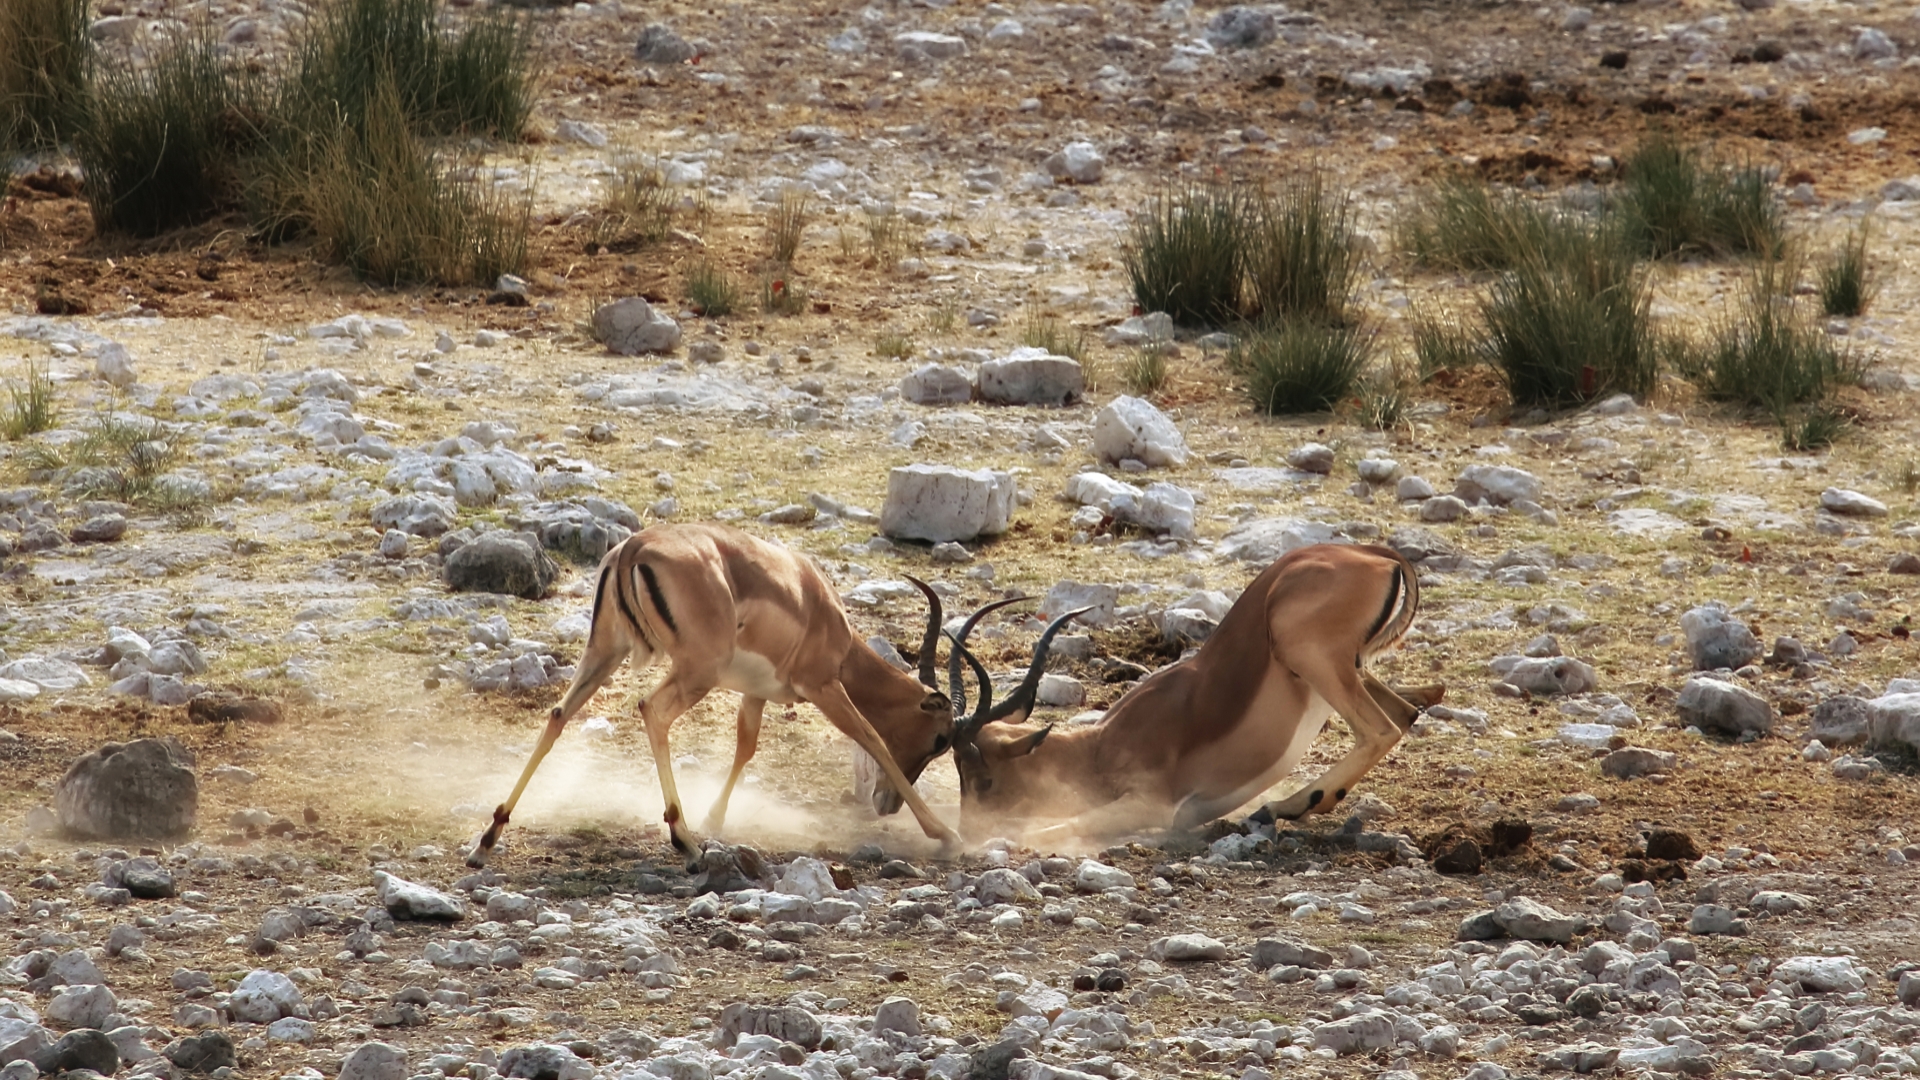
{"x":1657,"y":826}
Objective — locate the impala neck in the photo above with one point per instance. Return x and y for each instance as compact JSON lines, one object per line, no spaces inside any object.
{"x":881,"y":692}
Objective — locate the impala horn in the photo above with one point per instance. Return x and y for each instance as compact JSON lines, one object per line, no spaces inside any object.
{"x":1022,"y":699}
{"x":957,"y":687}
{"x":930,"y":644}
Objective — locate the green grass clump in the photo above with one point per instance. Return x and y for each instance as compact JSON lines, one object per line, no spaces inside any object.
{"x":1186,"y":254}
{"x":167,"y":145}
{"x":711,"y":291}
{"x":31,"y":408}
{"x":1300,"y":366}
{"x":1846,"y":282}
{"x":1143,"y":371}
{"x":1677,"y":201}
{"x":377,"y":201}
{"x":45,"y":61}
{"x":893,"y":345}
{"x":1462,"y":224}
{"x":1770,"y":356}
{"x":787,"y":225}
{"x":1573,"y":325}
{"x":1383,"y":399}
{"x":638,"y":209}
{"x":1441,"y":343}
{"x":1302,"y":259}
{"x":1043,"y":331}
{"x":117,"y":457}
{"x":781,"y":295}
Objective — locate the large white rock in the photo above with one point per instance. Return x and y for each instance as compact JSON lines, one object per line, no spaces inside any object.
{"x":1893,"y":720}
{"x":940,"y":503}
{"x":48,"y":673}
{"x":1726,"y":707}
{"x":1098,"y":489}
{"x":1031,"y":376}
{"x":263,"y":997}
{"x":1265,"y":539}
{"x":85,"y":1006}
{"x":12,"y":690}
{"x":631,"y":326}
{"x":1717,"y":639}
{"x":937,"y":384}
{"x":1496,"y":484}
{"x":1080,"y":162}
{"x":1821,"y":974}
{"x":938,"y":46}
{"x":1099,"y":877}
{"x":114,"y":363}
{"x":1065,"y":596}
{"x":1842,"y":501}
{"x":1161,"y":508}
{"x":1130,"y":427}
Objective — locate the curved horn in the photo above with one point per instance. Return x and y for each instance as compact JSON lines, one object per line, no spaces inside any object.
{"x":929,"y":645}
{"x":972,"y":724}
{"x":1023,"y":698}
{"x":957,"y":689}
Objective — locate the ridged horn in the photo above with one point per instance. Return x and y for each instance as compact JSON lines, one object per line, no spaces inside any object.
{"x":956,"y":686}
{"x":930,"y":644}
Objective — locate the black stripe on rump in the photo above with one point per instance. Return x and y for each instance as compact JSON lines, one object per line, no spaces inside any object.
{"x":600,"y":593}
{"x":1386,"y":613}
{"x":627,"y":612}
{"x":659,"y":598}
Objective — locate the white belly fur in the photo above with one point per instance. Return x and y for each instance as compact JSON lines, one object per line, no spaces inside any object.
{"x":751,"y":674}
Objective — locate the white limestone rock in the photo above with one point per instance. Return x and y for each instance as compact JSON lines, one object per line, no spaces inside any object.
{"x":940,"y":503}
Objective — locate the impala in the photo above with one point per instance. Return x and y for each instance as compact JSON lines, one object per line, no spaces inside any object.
{"x":1197,"y":739}
{"x":734,"y":612}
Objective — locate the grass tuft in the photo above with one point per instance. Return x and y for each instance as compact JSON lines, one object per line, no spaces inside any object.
{"x":886,"y":236}
{"x":1143,"y":371}
{"x":1300,"y":366}
{"x":1677,"y":201}
{"x":1186,"y":254}
{"x":1044,"y":331}
{"x":893,"y":345}
{"x":31,"y":408}
{"x":1816,"y":427}
{"x":1441,"y":343}
{"x":1303,"y":259}
{"x":1384,"y":396}
{"x":711,"y":291}
{"x":1572,"y":325}
{"x":117,"y":457}
{"x":638,"y":209}
{"x":1770,"y":356}
{"x":45,"y":61}
{"x":787,"y":225}
{"x":781,"y":295}
{"x":1846,"y":283}
{"x":1462,"y":224}
{"x":164,"y":146}
{"x":380,"y":203}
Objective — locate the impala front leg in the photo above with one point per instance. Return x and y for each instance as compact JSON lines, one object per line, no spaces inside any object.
{"x":482,"y":848}
{"x":746,"y":741}
{"x":672,"y":697}
{"x":1358,"y":700}
{"x":832,"y":701}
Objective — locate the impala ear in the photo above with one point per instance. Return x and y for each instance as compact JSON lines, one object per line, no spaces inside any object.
{"x":1027,"y":744}
{"x":936,"y":702}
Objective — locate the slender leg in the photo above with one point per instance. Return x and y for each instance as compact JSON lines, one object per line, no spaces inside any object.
{"x":1375,"y":732}
{"x":831,"y":699}
{"x":746,"y":741}
{"x":604,"y":652}
{"x":674,"y":695}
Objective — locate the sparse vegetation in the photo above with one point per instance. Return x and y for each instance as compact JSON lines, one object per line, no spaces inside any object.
{"x":1383,"y":397}
{"x":1301,"y":366}
{"x":1043,"y":331}
{"x":379,"y":202}
{"x":45,"y":62}
{"x":638,"y":210}
{"x":781,"y":295}
{"x":1676,"y":200}
{"x":166,"y":145}
{"x":1302,"y":259}
{"x":31,"y":407}
{"x":1441,"y":342}
{"x":1846,"y":282}
{"x":886,"y":236}
{"x":787,"y":225}
{"x":1815,"y":427}
{"x":1770,"y":357}
{"x":1144,"y":370}
{"x":1186,"y":254}
{"x":945,"y":316}
{"x":117,"y":457}
{"x":893,"y":345}
{"x":711,"y":291}
{"x":1460,"y":223}
{"x":1572,"y":325}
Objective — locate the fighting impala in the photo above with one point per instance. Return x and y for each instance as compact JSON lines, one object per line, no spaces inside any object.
{"x":1197,"y":739}
{"x":734,"y":612}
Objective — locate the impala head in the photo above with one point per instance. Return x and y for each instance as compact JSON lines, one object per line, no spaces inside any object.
{"x":935,"y":735}
{"x":986,"y":744}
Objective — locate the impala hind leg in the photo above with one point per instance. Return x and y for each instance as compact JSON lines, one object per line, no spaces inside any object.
{"x":601,"y":660}
{"x":832,"y":701}
{"x":675,"y":695}
{"x":1376,"y":730}
{"x":746,"y":741}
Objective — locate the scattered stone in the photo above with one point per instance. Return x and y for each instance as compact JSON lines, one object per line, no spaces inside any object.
{"x":372,"y":1061}
{"x":145,"y":789}
{"x":1717,"y":639}
{"x":898,"y":1014}
{"x":213,"y":1050}
{"x":942,"y":503}
{"x":1546,"y":676}
{"x":1190,"y":947}
{"x":787,"y":1023}
{"x":1129,"y":428}
{"x":658,"y":44}
{"x":501,"y":563}
{"x":1499,"y":485}
{"x":1821,"y":974}
{"x":88,"y":1048}
{"x":99,"y":530}
{"x":406,"y":900}
{"x":544,"y":1061}
{"x":1630,"y":762}
{"x":1851,"y":503}
{"x":1718,"y":705}
{"x":631,"y":326}
{"x":1241,"y":27}
{"x":937,"y":384}
{"x":1842,"y":720}
{"x":1031,"y":376}
{"x":1078,"y":162}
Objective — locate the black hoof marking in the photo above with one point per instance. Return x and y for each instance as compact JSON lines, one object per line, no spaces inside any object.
{"x":1313,"y":800}
{"x":1340,"y":794}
